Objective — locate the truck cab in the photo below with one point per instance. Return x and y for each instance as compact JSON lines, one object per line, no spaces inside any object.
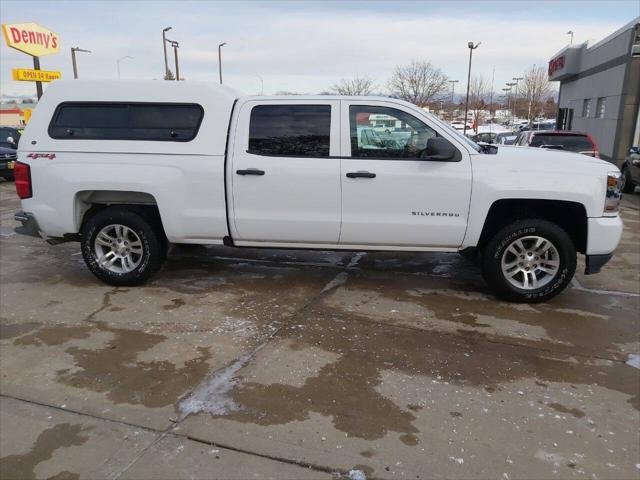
{"x":128,"y":168}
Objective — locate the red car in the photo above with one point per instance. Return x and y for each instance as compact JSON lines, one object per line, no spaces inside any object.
{"x":577,"y":142}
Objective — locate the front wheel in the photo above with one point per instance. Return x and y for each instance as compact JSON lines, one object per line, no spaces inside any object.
{"x":121,"y":247}
{"x":529,"y":261}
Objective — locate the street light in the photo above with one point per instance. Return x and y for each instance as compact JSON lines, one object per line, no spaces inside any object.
{"x":164,"y":48}
{"x":515,"y":105}
{"x":570,"y":32}
{"x":118,"y":63}
{"x":506,"y":93}
{"x":261,"y":85}
{"x":511,"y":85}
{"x":220,"y":60}
{"x":472,"y":47}
{"x":73,"y":59}
{"x":453,"y":84}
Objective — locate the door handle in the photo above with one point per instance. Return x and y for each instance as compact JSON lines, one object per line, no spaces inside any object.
{"x":250,"y":171}
{"x":361,"y":175}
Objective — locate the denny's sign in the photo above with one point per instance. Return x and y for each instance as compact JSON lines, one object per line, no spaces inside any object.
{"x":31,"y":38}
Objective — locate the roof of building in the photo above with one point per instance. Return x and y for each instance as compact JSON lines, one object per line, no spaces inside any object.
{"x":10,"y":109}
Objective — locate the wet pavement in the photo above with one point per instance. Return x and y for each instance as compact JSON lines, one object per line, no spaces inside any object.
{"x":292,"y":364}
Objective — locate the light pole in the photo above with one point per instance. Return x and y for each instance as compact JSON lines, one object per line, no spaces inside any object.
{"x":175,"y":46}
{"x":506,"y":93}
{"x":472,"y":47}
{"x":453,"y":85}
{"x":511,"y":85}
{"x":220,"y":60}
{"x":570,"y":32}
{"x":261,"y":85}
{"x":164,"y":48}
{"x":73,"y":59}
{"x":118,"y":63}
{"x":515,"y":105}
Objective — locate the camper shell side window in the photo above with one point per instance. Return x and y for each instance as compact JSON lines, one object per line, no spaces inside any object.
{"x":169,"y":122}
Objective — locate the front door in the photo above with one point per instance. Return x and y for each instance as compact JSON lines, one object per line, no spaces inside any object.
{"x":285,"y":172}
{"x":391,"y":194}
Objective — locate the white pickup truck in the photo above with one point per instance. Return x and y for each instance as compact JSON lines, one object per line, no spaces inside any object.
{"x":127,"y":168}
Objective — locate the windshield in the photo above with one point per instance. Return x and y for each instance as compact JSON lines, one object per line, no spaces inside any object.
{"x":459,"y":135}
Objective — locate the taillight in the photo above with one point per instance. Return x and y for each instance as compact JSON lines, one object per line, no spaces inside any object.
{"x":22,"y":177}
{"x":594,"y":147}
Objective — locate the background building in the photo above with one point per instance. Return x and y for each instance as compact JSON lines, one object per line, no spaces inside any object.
{"x":600,"y":90}
{"x":11,"y":116}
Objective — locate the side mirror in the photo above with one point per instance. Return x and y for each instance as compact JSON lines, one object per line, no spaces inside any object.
{"x":439,"y":149}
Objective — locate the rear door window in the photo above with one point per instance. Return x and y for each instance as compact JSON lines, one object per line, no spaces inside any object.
{"x":290,"y":130}
{"x":126,"y":121}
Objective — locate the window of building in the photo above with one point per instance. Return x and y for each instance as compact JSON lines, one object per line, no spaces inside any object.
{"x":126,"y":121}
{"x":402,"y":135}
{"x":290,"y":130}
{"x":600,"y":107}
{"x":586,"y":107}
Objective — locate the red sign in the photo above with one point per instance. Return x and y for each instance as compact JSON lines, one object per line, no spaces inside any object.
{"x":556,"y":64}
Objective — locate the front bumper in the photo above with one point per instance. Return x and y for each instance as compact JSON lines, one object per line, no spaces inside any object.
{"x":594,"y":263}
{"x":29,"y":224}
{"x":603,"y":235}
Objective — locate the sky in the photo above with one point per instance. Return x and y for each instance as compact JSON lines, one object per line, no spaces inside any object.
{"x":306,"y":46}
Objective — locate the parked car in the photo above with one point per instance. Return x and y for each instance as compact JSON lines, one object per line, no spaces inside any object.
{"x":631,"y":170}
{"x":506,"y":138}
{"x":126,"y":168}
{"x":9,"y":137}
{"x":568,"y":141}
{"x":7,"y":162}
{"x":485,"y":137}
{"x":459,"y":125}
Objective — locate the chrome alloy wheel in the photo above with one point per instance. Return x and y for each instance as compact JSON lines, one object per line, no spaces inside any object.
{"x":118,"y":249}
{"x":531,"y":262}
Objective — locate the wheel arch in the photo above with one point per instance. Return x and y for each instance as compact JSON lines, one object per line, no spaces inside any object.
{"x":570,"y":216}
{"x":89,"y":202}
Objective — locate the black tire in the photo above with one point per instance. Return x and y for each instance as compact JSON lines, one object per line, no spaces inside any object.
{"x":152,"y":240}
{"x":8,"y":176}
{"x":628,"y":186}
{"x":495,"y":248}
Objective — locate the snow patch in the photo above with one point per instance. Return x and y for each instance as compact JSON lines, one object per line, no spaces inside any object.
{"x":338,"y":280}
{"x":459,"y":461}
{"x":355,"y":259}
{"x":633,"y":360}
{"x":356,"y":475}
{"x":212,"y":396}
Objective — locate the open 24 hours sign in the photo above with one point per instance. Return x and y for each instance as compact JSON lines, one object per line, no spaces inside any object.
{"x":31,"y":75}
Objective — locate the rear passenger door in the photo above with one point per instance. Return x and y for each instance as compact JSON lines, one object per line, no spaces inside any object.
{"x":285,"y":173}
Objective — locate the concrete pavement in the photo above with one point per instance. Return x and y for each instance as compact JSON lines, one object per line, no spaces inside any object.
{"x":291,"y":364}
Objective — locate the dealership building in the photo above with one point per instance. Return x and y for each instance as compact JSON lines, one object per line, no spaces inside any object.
{"x":600,"y":90}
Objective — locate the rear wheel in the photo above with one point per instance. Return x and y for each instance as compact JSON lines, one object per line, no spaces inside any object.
{"x":529,"y":261}
{"x":121,"y":247}
{"x":627,"y":181}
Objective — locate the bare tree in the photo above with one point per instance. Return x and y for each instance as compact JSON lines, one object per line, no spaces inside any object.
{"x":354,"y":86}
{"x":169,"y":75}
{"x":419,"y":82}
{"x":535,"y":89}
{"x":478,"y":91}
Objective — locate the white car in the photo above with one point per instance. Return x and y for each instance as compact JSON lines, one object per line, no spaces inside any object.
{"x":459,"y":125}
{"x":127,"y":168}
